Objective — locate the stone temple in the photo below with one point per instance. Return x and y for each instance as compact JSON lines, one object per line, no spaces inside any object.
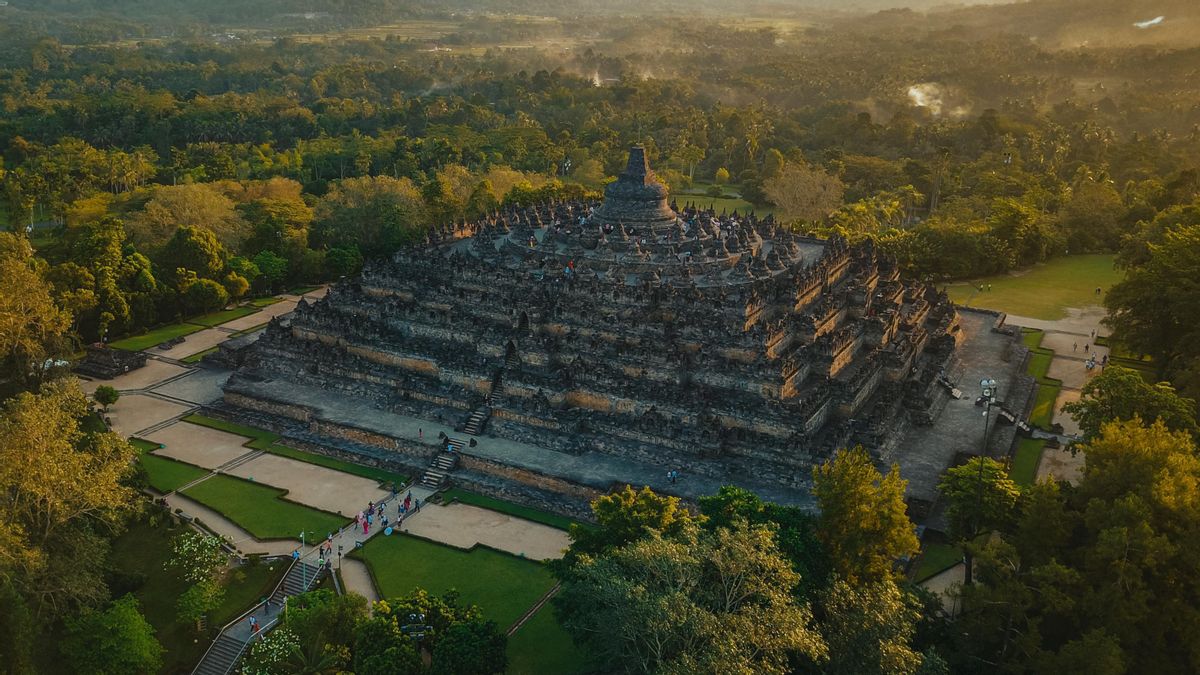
{"x":566,"y":348}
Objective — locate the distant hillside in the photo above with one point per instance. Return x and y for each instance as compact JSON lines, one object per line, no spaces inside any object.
{"x":1055,"y":23}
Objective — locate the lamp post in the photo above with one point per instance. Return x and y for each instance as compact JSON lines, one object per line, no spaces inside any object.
{"x":416,"y":627}
{"x":988,"y":385}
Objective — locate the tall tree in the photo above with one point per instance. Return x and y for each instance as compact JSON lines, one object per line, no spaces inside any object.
{"x":979,"y":497}
{"x":112,"y":641}
{"x":1123,"y":394}
{"x":59,"y":487}
{"x":627,"y":516}
{"x":702,"y":601}
{"x":31,"y":324}
{"x":804,"y":192}
{"x":863,"y":520}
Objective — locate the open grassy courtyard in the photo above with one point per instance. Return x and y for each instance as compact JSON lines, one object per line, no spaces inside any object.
{"x":542,"y":646}
{"x":1044,"y":291}
{"x":1025,"y":461}
{"x":157,"y":336}
{"x":223,"y":316}
{"x":262,"y":510}
{"x":163,"y":473}
{"x":504,"y":586}
{"x":508,"y":508}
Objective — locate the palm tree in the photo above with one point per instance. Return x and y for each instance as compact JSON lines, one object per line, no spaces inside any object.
{"x":311,"y":658}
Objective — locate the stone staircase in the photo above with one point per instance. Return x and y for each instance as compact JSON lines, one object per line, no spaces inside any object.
{"x":223,"y":655}
{"x":477,"y":420}
{"x":439,"y":469}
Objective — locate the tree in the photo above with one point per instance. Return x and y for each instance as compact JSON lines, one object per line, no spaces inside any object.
{"x":270,"y":655}
{"x":272,"y":269}
{"x":60,"y":486}
{"x":863,"y":521}
{"x":804,"y":192}
{"x":869,"y":629}
{"x":325,"y":621}
{"x":627,"y":516}
{"x":114,"y":641}
{"x":31,"y":325}
{"x":195,"y":206}
{"x":701,"y":601}
{"x":378,"y":214}
{"x":198,"y":600}
{"x":106,"y":395}
{"x":795,"y":532}
{"x":235,"y":285}
{"x":195,"y":249}
{"x":205,"y":295}
{"x":474,"y":647}
{"x":198,"y":559}
{"x":1122,"y":394}
{"x":1151,"y":310}
{"x":979,"y":497}
{"x":721,"y":177}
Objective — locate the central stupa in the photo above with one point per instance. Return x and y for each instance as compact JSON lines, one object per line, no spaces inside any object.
{"x":636,"y":198}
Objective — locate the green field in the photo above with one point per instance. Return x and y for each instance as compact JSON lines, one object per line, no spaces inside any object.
{"x":157,"y":336}
{"x":1025,"y":461}
{"x":542,"y":646}
{"x":1045,"y":291}
{"x":1042,"y":414}
{"x":504,"y":586}
{"x":223,"y":316}
{"x":143,"y":551}
{"x":515,"y":510}
{"x":936,"y":558}
{"x":267,"y":442}
{"x":163,"y":473}
{"x":264,"y":302}
{"x":262,"y":510}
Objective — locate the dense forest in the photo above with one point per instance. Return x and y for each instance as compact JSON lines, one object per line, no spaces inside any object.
{"x":163,"y":159}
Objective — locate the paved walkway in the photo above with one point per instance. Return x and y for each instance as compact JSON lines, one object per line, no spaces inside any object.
{"x":1073,"y":341}
{"x":464,"y":526}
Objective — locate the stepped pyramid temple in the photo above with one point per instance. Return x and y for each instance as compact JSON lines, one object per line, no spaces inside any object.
{"x":566,"y":348}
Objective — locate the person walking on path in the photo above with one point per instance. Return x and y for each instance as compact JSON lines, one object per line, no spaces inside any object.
{"x":1075,"y":347}
{"x":366,"y":527}
{"x":253,"y":626}
{"x":418,"y":505}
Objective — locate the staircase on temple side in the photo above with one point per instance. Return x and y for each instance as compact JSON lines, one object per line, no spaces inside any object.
{"x":441,"y":466}
{"x":223,"y":655}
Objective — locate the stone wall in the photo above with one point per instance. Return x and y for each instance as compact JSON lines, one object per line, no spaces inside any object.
{"x":295,"y":412}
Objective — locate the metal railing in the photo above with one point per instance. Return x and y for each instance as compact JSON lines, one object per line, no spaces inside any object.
{"x":245,"y":614}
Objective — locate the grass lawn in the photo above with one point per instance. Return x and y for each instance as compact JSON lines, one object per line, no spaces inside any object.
{"x":264,"y":302}
{"x":936,"y":558}
{"x":218,"y":318}
{"x":163,"y":473}
{"x":261,"y":510}
{"x":516,"y":510}
{"x":542,"y":646}
{"x":144,"y":550}
{"x":1042,"y":414}
{"x":1025,"y":462}
{"x":504,"y":586}
{"x":266,"y":441}
{"x":1044,"y":291}
{"x":301,"y":290}
{"x":195,"y":358}
{"x":137,"y":343}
